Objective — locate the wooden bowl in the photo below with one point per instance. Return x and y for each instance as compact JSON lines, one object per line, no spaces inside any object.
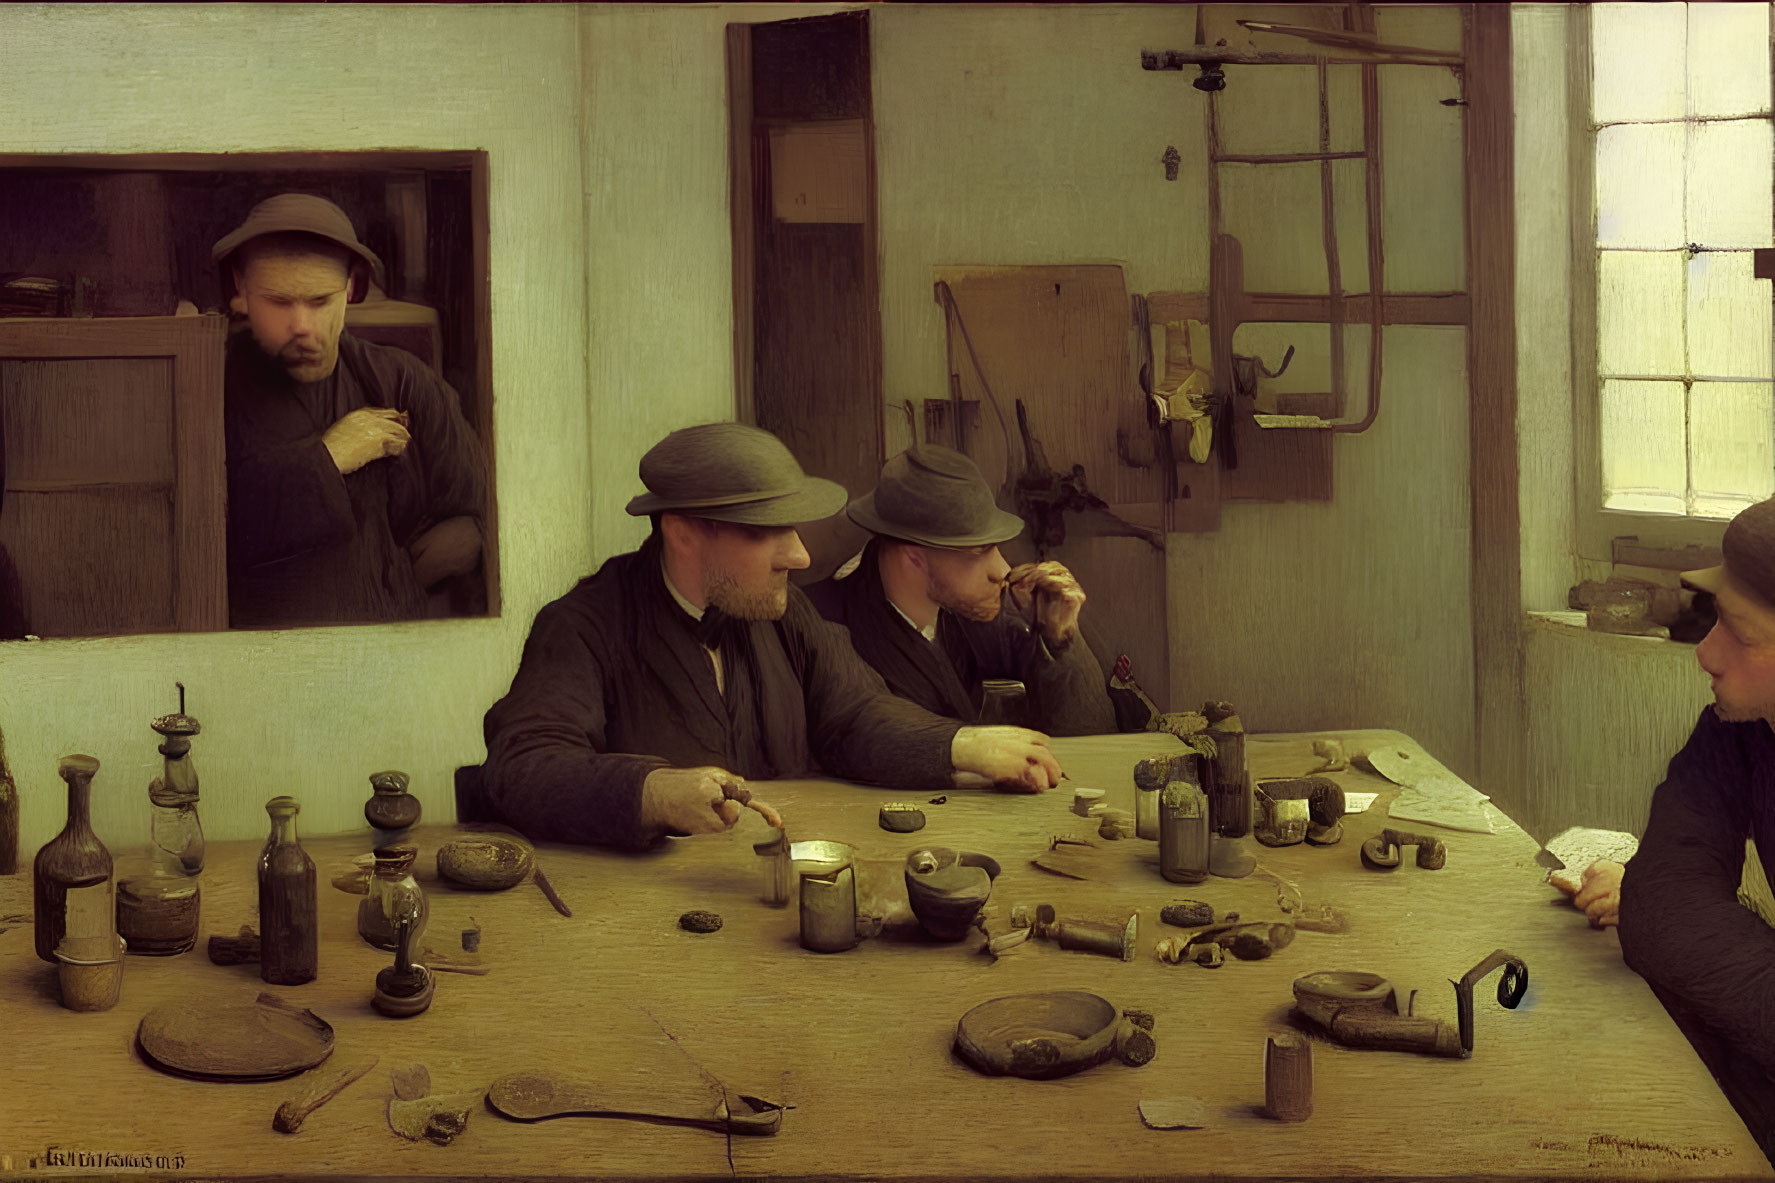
{"x":1040,"y":1035}
{"x":486,"y":862}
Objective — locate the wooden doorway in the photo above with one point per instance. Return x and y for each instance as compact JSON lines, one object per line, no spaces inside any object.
{"x":807,"y":320}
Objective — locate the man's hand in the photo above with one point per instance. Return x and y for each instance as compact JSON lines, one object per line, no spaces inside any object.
{"x":1599,"y":895}
{"x":1056,"y":595}
{"x":366,"y":434}
{"x":704,"y":800}
{"x":1013,"y":758}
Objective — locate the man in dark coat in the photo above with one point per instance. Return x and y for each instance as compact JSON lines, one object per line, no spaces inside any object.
{"x":925,"y":603}
{"x":651,"y":691}
{"x":1708,"y":958}
{"x":354,"y":482}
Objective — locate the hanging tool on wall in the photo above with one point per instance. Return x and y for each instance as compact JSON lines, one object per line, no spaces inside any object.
{"x":1042,"y":497}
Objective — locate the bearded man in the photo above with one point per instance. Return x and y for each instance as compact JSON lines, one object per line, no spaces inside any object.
{"x":1708,"y":958}
{"x":355,"y":484}
{"x":650,"y":692}
{"x":925,"y":604}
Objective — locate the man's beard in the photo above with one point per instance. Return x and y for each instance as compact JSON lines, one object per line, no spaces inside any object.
{"x":725,"y":593}
{"x":983,"y":609}
{"x":1733,"y":713}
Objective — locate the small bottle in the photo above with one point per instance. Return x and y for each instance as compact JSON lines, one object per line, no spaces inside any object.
{"x":1146,"y":811}
{"x":158,"y":912}
{"x":178,"y":835}
{"x":394,"y":896}
{"x":289,"y":939}
{"x":72,"y":875}
{"x":1183,"y":832}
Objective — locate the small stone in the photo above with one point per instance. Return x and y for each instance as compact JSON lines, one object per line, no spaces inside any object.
{"x":411,"y":1081}
{"x":699,"y":921}
{"x":900,"y":818}
{"x":1187,"y":914}
{"x":940,"y":800}
{"x":1231,"y":918}
{"x":1175,"y":1113}
{"x":1140,"y":1018}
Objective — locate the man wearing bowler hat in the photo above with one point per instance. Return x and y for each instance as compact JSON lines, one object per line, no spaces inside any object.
{"x":354,"y":482}
{"x":1708,"y":958}
{"x":648,"y":694}
{"x":925,"y":603}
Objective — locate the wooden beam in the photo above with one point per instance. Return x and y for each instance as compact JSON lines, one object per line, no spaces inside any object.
{"x":373,"y":160}
{"x":742,"y":212}
{"x":1496,"y":571}
{"x":1420,"y":308}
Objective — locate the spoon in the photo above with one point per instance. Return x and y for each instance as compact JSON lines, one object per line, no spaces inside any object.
{"x":536,"y":1095}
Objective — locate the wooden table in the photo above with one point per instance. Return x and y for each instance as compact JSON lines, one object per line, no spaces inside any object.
{"x":1588,"y":1077}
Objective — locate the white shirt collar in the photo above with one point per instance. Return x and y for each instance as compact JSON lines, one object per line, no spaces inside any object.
{"x":929,"y":634}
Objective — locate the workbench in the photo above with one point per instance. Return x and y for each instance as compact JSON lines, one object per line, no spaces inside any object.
{"x":1588,"y":1077}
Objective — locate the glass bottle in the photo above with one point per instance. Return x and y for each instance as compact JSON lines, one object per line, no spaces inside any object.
{"x":1230,"y":804}
{"x":71,"y":879}
{"x":158,"y":912}
{"x":289,"y":935}
{"x":394,"y":896}
{"x":178,"y":835}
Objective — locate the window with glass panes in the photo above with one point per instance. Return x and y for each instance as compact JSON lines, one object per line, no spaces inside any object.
{"x":1682,"y":142}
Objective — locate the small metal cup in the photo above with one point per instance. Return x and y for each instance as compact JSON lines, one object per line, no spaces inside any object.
{"x":829,"y":908}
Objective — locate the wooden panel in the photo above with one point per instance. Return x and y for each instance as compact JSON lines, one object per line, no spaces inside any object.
{"x":85,"y":420}
{"x":92,"y":561}
{"x":1057,"y":338}
{"x":1497,"y":557}
{"x":817,"y":172}
{"x":152,"y":384}
{"x":815,"y":386}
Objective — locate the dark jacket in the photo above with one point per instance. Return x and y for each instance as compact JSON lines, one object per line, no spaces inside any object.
{"x":1710,"y":959}
{"x":1068,"y":694}
{"x":613,"y":684}
{"x":307,"y":545}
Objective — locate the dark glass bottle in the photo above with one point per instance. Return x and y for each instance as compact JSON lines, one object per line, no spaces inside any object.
{"x":289,"y":935}
{"x":74,"y":860}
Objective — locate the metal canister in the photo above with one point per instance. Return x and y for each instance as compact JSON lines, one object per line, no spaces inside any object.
{"x":829,"y":908}
{"x":1183,"y":832}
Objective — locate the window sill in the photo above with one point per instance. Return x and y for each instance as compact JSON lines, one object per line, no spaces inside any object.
{"x":1569,"y":622}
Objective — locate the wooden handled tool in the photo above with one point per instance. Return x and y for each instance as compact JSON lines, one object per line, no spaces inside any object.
{"x":293,"y":1112}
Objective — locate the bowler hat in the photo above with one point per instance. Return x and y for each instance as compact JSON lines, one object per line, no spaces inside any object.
{"x":732,"y":472}
{"x":1749,"y":552}
{"x":934,"y":496}
{"x":298,"y":213}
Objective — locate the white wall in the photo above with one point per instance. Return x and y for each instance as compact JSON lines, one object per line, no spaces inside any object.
{"x":313,"y":712}
{"x":1604,"y":714}
{"x":1031,"y":135}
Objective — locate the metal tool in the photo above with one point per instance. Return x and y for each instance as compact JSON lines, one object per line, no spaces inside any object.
{"x":1362,"y":1009}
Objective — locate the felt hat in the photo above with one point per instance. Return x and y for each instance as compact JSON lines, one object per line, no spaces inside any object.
{"x":298,"y":213}
{"x":732,"y":472}
{"x":934,"y":496}
{"x":1749,"y":552}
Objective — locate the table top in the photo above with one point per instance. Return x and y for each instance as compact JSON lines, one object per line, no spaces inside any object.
{"x":1588,"y":1077}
